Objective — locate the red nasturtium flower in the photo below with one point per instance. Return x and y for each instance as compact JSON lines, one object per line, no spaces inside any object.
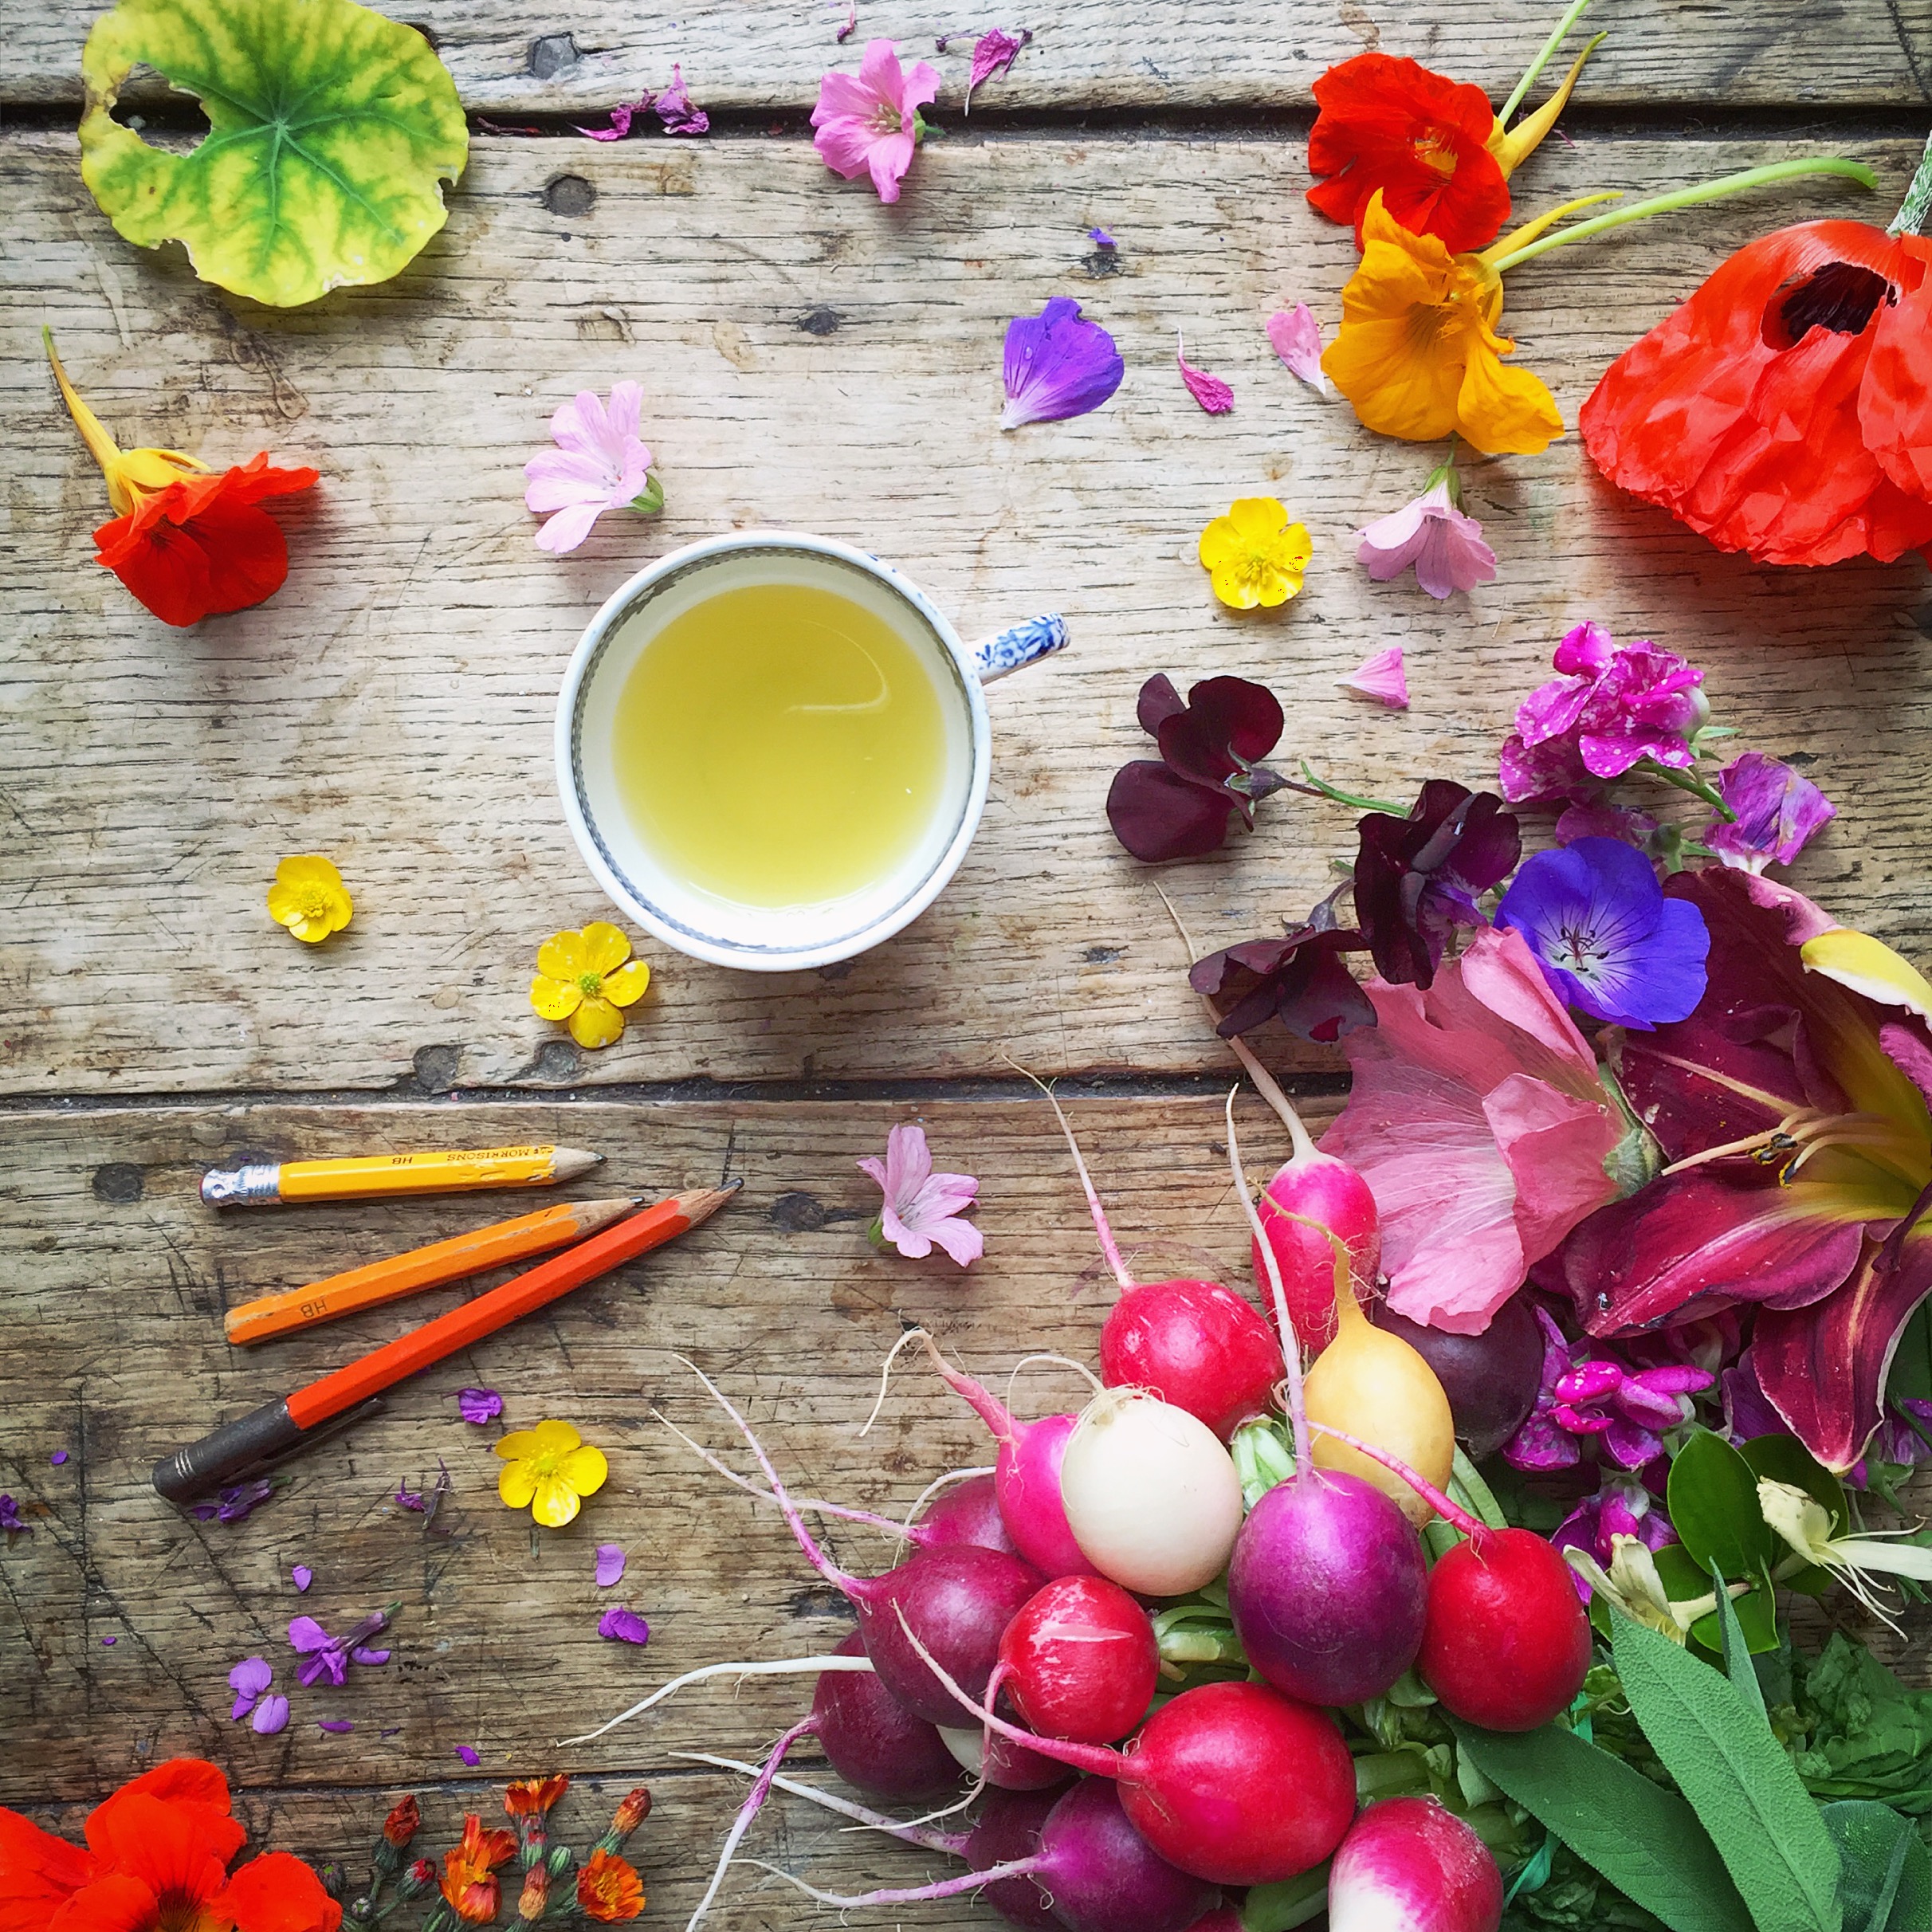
{"x":1786,"y":409}
{"x":156,"y":1860}
{"x":609,"y":1889}
{"x":188,"y":541}
{"x":469,"y":1872}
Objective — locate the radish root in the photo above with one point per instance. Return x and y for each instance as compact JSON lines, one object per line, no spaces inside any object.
{"x":913,"y":1831}
{"x":754,"y":1801}
{"x":1291,"y":1344}
{"x":780,"y":1667}
{"x":885,"y":1376}
{"x":943,"y":1888}
{"x":1108,"y":1247}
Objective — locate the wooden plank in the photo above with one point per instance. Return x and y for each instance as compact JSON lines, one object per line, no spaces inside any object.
{"x":1154,"y":55}
{"x":392,"y":706}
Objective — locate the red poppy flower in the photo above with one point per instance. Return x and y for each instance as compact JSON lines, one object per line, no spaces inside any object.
{"x":201,"y":546}
{"x":1786,"y":409}
{"x":156,"y":1861}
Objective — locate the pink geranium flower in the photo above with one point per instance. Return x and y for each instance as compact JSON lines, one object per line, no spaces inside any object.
{"x":1296,"y":338}
{"x":1478,"y":1121}
{"x":869,"y":123}
{"x":600,"y":464}
{"x":922,"y":1208}
{"x":1381,"y":678}
{"x":1432,"y":535}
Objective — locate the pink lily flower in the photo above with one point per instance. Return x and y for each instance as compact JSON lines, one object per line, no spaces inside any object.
{"x":1792,"y":1108}
{"x":922,"y":1208}
{"x":600,"y":464}
{"x":1478,"y":1121}
{"x":869,"y":123}
{"x":1431,"y":533}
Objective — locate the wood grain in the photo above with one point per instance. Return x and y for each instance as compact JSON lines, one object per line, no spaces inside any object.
{"x":805,"y":352}
{"x":760,"y":56}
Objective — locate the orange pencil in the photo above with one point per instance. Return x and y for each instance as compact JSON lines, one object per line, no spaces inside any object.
{"x":279,"y":1428}
{"x":390,"y":1279}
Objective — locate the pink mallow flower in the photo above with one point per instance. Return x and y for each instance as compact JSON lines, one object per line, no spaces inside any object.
{"x":1477,"y":1120}
{"x":1582,"y":1394}
{"x":1432,"y":534}
{"x":598,"y":465}
{"x":922,"y":1208}
{"x":868,"y":122}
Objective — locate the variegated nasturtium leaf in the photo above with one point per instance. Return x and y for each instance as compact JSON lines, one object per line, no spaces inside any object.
{"x":329,"y":130}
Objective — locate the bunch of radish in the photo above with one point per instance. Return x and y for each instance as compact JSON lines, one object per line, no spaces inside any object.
{"x":1018,"y":1640}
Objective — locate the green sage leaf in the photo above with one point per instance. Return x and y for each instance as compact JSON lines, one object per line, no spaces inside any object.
{"x":329,"y":130}
{"x":1888,"y":1885}
{"x":1738,"y":1666}
{"x":1713,"y":1501}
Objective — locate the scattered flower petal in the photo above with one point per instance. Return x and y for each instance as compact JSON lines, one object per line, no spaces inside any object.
{"x":1299,"y":980}
{"x":1381,"y":678}
{"x":338,"y":1726}
{"x":271,"y":1714}
{"x":851,"y":23}
{"x":621,"y":115}
{"x":1601,"y":819}
{"x":922,"y":1208}
{"x":1057,"y":365}
{"x":549,"y":1469}
{"x":1101,"y":238}
{"x":469,"y":1756}
{"x":233,"y":1504}
{"x":10,"y":1519}
{"x":1253,"y":556}
{"x":58,"y":1457}
{"x":309,"y":898}
{"x":600,"y":463}
{"x":1778,"y":809}
{"x":610,"y":1565}
{"x":303,"y":1576}
{"x":1444,"y":546}
{"x":587,"y":979}
{"x":623,"y":1626}
{"x":1296,"y":339}
{"x":248,"y":1680}
{"x":108,"y":1643}
{"x":479,"y":1406}
{"x":871,"y":123}
{"x":678,"y":111}
{"x":993,"y":53}
{"x":411,"y":1499}
{"x":1212,"y":394}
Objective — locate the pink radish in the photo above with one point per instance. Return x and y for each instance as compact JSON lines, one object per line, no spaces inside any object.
{"x":1411,"y":1865}
{"x":1079,"y":1660}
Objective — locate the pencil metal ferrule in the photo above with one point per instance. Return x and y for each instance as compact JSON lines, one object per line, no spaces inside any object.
{"x":254,"y":1186}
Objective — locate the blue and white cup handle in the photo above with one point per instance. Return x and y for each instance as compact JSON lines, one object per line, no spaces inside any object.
{"x":1019,"y":645}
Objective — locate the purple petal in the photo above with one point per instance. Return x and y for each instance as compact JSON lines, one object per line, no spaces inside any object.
{"x":1777,"y":811}
{"x":338,"y":1725}
{"x":621,"y":118}
{"x":306,"y":1634}
{"x":1631,"y":1446}
{"x":993,"y":53}
{"x":249,"y":1678}
{"x":108,"y":1643}
{"x":1212,"y":394}
{"x":329,"y":1663}
{"x":610,"y":1565}
{"x":1588,"y":1380}
{"x":303,"y":1576}
{"x":1057,"y":365}
{"x":1585,"y":650}
{"x":1101,"y":238}
{"x":479,"y":1405}
{"x":623,"y":1626}
{"x":1601,"y":820}
{"x":410,"y":1499}
{"x":470,"y":1758}
{"x":359,"y":1655}
{"x":1539,"y":1445}
{"x":676,"y":110}
{"x":58,"y":1457}
{"x":271,"y":1714}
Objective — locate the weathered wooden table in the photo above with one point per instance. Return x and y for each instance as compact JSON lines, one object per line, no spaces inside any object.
{"x":810,"y":359}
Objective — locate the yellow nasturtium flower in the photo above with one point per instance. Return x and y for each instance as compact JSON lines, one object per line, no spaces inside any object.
{"x":549,"y":1471}
{"x":309,"y":897}
{"x":1254,"y":555}
{"x":585,"y":978}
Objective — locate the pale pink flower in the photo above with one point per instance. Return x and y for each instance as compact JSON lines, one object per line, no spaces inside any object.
{"x":1212,"y":394}
{"x":922,"y":1208}
{"x":1477,"y":1120}
{"x":868,"y":122}
{"x":598,"y":465}
{"x":1381,"y":678}
{"x":1296,"y":337}
{"x":1446,"y":547}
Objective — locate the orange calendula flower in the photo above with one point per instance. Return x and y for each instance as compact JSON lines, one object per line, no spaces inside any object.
{"x":309,"y":897}
{"x":609,"y":1889}
{"x":587,"y":977}
{"x":470,"y":1884}
{"x":534,"y":1797}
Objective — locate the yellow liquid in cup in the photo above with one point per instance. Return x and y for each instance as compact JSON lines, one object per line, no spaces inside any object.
{"x":780,"y":745}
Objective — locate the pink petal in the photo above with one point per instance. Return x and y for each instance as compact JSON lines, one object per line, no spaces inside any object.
{"x":844,"y":142}
{"x":610,"y":1565}
{"x":1212,"y":394}
{"x":960,"y":1239}
{"x":909,"y":1162}
{"x":1296,"y":339}
{"x":879,"y":73}
{"x":1555,"y":1145}
{"x":1454,"y":556}
{"x":913,"y":1243}
{"x":890,"y":159}
{"x":1381,"y":678}
{"x":626,"y":413}
{"x":993,"y":53}
{"x":569,"y":527}
{"x":1389,"y":545}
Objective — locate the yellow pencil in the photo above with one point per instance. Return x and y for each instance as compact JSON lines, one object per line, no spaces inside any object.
{"x":367,"y":1176}
{"x":390,"y":1279}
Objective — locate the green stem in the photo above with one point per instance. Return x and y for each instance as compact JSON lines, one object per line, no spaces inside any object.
{"x":1690,"y":197}
{"x":1543,"y":59}
{"x":1346,"y":797}
{"x":1910,"y":219}
{"x":1689,"y":782}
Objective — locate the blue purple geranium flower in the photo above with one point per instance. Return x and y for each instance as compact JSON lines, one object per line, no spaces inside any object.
{"x":1058,"y":364}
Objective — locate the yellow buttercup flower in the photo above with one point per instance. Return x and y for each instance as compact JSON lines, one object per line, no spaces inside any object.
{"x":309,"y":897}
{"x":1418,"y":354}
{"x":1254,"y":555}
{"x":585,"y":978}
{"x":549,"y":1471}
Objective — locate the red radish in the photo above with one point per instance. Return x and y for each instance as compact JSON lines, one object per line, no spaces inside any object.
{"x":951,"y":1603}
{"x":1079,"y":1660}
{"x":1411,"y":1865}
{"x":1491,"y":1380}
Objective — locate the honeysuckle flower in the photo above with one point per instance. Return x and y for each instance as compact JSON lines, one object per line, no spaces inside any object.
{"x":1633,"y":1584}
{"x":1622,"y":1507}
{"x":1209,"y":768}
{"x":600,"y":464}
{"x":480,"y":1407}
{"x":588,"y":978}
{"x":610,"y":1565}
{"x":1380,"y":678}
{"x":1583,"y":1395}
{"x":1417,"y":877}
{"x":609,"y":1889}
{"x":1299,"y":980}
{"x":1058,"y":364}
{"x":1810,"y":1528}
{"x":549,"y":1471}
{"x":1213,"y":394}
{"x":871,"y":123}
{"x":1253,"y":556}
{"x":1431,"y":535}
{"x":309,"y":898}
{"x":249,"y":1679}
{"x":1777,"y":810}
{"x":922,"y":1208}
{"x":324,"y":1655}
{"x":1608,"y":939}
{"x":1296,"y":337}
{"x":993,"y":53}
{"x":469,"y":1883}
{"x":1477,"y":1118}
{"x":622,"y":1625}
{"x":1791,"y":1107}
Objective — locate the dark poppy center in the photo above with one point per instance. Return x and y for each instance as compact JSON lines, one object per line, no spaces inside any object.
{"x":1840,"y":297}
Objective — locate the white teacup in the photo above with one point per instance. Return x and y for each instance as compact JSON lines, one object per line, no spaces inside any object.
{"x":683,"y":912}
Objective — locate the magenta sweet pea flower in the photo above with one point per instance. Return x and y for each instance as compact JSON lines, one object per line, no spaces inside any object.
{"x":1777,"y":811}
{"x":993,"y":53}
{"x":922,"y":1208}
{"x":1431,"y":535}
{"x":600,"y":464}
{"x":1057,"y":365}
{"x":1622,"y":1507}
{"x":869,"y":123}
{"x":1296,"y":338}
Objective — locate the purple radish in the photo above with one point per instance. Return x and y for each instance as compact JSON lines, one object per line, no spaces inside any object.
{"x":951,"y":1605}
{"x":1328,"y":1586}
{"x":1411,"y":1865}
{"x":967,"y":1513}
{"x":871,"y":1740}
{"x":1491,"y":1380}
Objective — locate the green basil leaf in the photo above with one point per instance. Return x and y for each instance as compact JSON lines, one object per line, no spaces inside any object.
{"x":1645,"y":1840}
{"x":1887,"y":1883}
{"x":1738,"y":1780}
{"x":1713,"y":1501}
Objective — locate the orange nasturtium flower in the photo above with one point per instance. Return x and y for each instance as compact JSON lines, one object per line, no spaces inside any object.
{"x":585,"y":978}
{"x":609,"y":1889}
{"x":309,"y":898}
{"x":470,"y":1882}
